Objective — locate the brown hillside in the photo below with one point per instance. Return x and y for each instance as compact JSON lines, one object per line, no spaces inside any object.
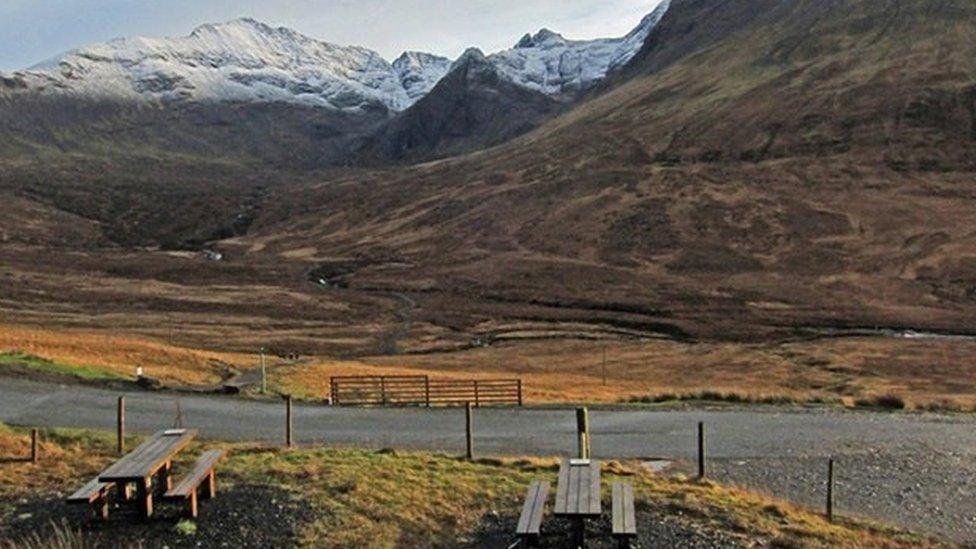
{"x":768,"y":164}
{"x":762,"y":167}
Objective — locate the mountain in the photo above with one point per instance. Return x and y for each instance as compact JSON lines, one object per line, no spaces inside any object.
{"x":475,"y":105}
{"x":239,"y":61}
{"x":487,"y":100}
{"x":760,"y":167}
{"x":548,"y":63}
{"x":248,"y":61}
{"x":219,"y":91}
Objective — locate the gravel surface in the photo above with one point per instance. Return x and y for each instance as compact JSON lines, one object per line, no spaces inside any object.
{"x":927,"y":491}
{"x":243,"y":516}
{"x":657,"y":531}
{"x":915,"y":470}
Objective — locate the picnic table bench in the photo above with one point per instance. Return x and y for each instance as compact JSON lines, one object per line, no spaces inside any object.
{"x":152,"y":457}
{"x":95,"y":494}
{"x":203,"y":474}
{"x":578,"y":493}
{"x":529,"y":527}
{"x":624,"y":518}
{"x":578,"y":498}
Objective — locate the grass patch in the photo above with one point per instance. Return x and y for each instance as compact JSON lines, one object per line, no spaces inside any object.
{"x":109,"y":352}
{"x":186,"y":528}
{"x":58,"y":536}
{"x":90,"y":373}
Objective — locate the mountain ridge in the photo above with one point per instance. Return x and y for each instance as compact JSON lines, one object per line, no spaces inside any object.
{"x":364,"y":110}
{"x":247,"y":60}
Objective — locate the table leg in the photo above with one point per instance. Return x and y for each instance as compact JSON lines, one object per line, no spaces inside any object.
{"x":193,"y":504}
{"x":210,"y":487}
{"x":101,"y":508}
{"x":166,"y":477}
{"x":145,"y":496}
{"x":579,"y":532}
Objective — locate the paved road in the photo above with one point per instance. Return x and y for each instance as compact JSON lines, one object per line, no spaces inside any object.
{"x":914,"y":470}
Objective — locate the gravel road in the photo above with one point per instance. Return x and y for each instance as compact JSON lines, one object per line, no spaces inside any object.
{"x":918,"y":471}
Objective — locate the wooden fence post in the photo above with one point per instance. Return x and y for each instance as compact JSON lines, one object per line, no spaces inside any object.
{"x":830,"y":490}
{"x":469,"y":431}
{"x":477,"y":397}
{"x":120,"y":426}
{"x":520,"y":393}
{"x":427,"y":390}
{"x":583,"y":432}
{"x":383,"y":390}
{"x":701,"y":450}
{"x":288,"y":422}
{"x":33,"y":456}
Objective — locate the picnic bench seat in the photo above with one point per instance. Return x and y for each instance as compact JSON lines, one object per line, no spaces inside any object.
{"x":530,"y":522}
{"x":95,"y":493}
{"x":203,"y":473}
{"x":624,"y":517}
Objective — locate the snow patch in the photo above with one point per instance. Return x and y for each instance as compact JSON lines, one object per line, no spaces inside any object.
{"x":549,"y":63}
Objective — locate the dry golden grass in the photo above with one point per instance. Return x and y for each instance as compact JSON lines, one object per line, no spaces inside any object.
{"x":119,"y":354}
{"x":394,"y":499}
{"x":925,"y":373}
{"x":66,"y":458}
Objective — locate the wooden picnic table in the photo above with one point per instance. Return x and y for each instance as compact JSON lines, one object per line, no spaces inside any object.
{"x":152,"y":457}
{"x":578,"y":493}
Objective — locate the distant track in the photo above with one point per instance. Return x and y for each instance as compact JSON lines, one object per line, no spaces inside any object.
{"x":915,"y":470}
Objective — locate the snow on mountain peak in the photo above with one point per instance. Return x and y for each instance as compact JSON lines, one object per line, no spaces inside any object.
{"x":241,"y":60}
{"x":544,"y":37}
{"x":549,"y":63}
{"x":245,"y":60}
{"x":634,"y":41}
{"x":419,"y":72}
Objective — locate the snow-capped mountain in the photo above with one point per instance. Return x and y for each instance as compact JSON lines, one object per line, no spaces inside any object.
{"x":243,"y":60}
{"x":419,"y":72}
{"x":551,"y":64}
{"x":248,"y":61}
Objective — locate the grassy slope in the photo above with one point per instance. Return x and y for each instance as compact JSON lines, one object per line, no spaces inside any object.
{"x":101,"y":356}
{"x":91,"y":373}
{"x":924,"y":374}
{"x":388,"y":499}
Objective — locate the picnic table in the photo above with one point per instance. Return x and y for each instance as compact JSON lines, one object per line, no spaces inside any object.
{"x":152,"y":457}
{"x":578,"y":493}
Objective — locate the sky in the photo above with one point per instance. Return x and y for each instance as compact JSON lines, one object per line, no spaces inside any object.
{"x":32,"y":31}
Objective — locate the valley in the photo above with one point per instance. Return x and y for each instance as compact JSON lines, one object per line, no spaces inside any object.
{"x":754,"y":211}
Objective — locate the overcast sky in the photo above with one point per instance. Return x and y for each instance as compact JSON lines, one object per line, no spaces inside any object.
{"x":34,"y":30}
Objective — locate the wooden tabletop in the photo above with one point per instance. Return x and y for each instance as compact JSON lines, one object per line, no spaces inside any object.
{"x":149,"y":457}
{"x":578,"y":493}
